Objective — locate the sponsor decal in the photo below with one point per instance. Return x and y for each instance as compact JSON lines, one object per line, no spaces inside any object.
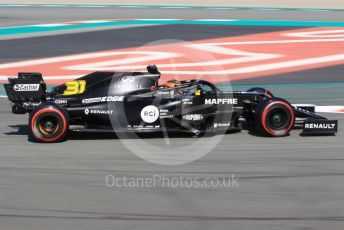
{"x":166,"y":93}
{"x":303,"y":110}
{"x":216,"y":125}
{"x":127,"y":86}
{"x":221,"y":101}
{"x":98,"y":111}
{"x":187,"y":102}
{"x":102,"y":99}
{"x":127,"y":83}
{"x":164,"y":113}
{"x":144,"y":126}
{"x":32,"y":103}
{"x":163,"y":93}
{"x":151,"y":126}
{"x":128,"y":79}
{"x":193,"y":117}
{"x":60,"y":101}
{"x":26,"y":87}
{"x":320,"y":126}
{"x":150,"y":114}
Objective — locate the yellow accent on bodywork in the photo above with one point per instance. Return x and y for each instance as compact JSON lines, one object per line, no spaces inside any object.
{"x":75,"y":87}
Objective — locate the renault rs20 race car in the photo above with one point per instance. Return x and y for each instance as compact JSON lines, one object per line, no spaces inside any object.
{"x":135,"y":102}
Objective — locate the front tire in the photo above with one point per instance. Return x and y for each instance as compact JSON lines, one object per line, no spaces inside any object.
{"x":48,"y":123}
{"x":274,"y":117}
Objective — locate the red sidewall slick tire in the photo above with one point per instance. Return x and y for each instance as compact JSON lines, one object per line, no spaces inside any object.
{"x":280,"y":109}
{"x":53,"y":116}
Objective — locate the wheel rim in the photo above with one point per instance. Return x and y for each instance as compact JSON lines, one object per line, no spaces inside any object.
{"x":48,"y":125}
{"x":278,"y":119}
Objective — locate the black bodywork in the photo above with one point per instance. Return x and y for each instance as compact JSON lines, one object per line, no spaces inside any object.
{"x":136,"y":102}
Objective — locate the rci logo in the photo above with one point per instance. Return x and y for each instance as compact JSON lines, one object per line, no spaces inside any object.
{"x":150,"y":114}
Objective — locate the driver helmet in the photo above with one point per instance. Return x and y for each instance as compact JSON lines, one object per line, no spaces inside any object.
{"x":172,"y":83}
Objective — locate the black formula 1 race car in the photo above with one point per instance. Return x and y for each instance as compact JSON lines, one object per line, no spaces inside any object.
{"x":136,"y":102}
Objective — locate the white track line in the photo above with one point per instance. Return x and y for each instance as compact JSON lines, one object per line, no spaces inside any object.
{"x":323,"y":108}
{"x":50,"y":25}
{"x":95,"y":21}
{"x":329,"y":109}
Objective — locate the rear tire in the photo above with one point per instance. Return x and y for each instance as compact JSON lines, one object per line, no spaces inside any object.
{"x":48,"y":123}
{"x":274,"y":117}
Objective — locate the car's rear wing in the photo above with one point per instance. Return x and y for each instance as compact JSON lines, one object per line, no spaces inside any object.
{"x":27,"y":88}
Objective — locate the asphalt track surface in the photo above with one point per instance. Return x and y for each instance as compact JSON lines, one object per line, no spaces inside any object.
{"x":14,"y":16}
{"x":284,"y":183}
